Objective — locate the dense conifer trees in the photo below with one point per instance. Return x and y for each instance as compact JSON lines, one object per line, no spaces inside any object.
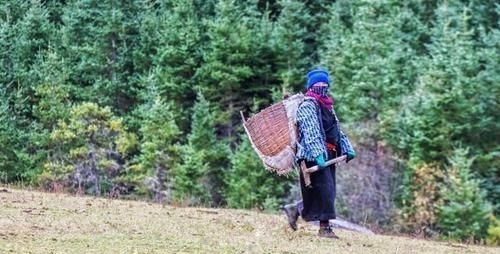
{"x":142,"y":98}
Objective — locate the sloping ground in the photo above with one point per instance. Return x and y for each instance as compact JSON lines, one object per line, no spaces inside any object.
{"x":36,"y":222}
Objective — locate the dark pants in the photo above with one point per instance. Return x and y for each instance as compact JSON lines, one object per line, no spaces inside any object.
{"x":318,"y":200}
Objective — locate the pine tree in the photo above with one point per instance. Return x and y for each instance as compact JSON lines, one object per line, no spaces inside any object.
{"x":25,"y":33}
{"x":233,"y":72}
{"x":179,"y":55}
{"x":289,"y":33}
{"x":450,"y":97}
{"x":159,"y":149}
{"x":9,"y":137}
{"x":465,"y":212}
{"x":372,"y":66}
{"x":487,"y":109}
{"x":98,"y":38}
{"x":452,"y":100}
{"x":422,"y":197}
{"x":370,"y":62}
{"x":317,"y":27}
{"x":204,"y":159}
{"x":249,"y":185}
{"x":51,"y":104}
{"x":52,"y":93}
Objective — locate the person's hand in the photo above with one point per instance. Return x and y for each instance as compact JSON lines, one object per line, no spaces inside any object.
{"x":350,"y":156}
{"x":320,"y":160}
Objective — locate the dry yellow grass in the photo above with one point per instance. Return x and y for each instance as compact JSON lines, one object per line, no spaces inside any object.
{"x":36,"y":222}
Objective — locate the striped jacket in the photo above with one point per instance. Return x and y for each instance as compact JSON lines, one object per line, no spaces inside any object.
{"x":311,"y":140}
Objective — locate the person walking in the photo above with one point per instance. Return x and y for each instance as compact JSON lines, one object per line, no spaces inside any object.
{"x":318,"y":141}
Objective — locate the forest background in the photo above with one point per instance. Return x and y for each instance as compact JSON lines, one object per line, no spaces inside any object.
{"x":140,"y":99}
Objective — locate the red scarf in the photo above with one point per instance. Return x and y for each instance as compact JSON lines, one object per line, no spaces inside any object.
{"x":325,"y":101}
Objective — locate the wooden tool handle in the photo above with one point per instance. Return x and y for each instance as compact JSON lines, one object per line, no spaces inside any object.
{"x":307,"y":171}
{"x":328,"y":163}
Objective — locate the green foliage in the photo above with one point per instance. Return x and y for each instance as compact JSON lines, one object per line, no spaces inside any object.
{"x":317,"y":27}
{"x":227,"y":62}
{"x":8,"y":135}
{"x":249,"y":185}
{"x":52,"y":93}
{"x":238,"y":61}
{"x":493,"y":237}
{"x":452,"y":103}
{"x":179,"y":52}
{"x":422,"y":198}
{"x":417,"y":79}
{"x":488,"y":109}
{"x":464,"y":213}
{"x":370,"y":55}
{"x":450,"y":99}
{"x":97,"y":40}
{"x":159,"y":150}
{"x":204,"y":159}
{"x":90,"y":147}
{"x":171,"y":51}
{"x":171,"y":34}
{"x":25,"y":33}
{"x":372,"y":62}
{"x":291,"y":58}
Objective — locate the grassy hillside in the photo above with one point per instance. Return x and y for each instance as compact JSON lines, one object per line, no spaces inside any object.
{"x":35,"y":222}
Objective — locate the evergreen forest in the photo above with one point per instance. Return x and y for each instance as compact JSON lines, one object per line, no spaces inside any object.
{"x":140,"y":99}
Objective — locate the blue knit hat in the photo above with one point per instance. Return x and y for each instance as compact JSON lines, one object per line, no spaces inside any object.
{"x":316,"y":76}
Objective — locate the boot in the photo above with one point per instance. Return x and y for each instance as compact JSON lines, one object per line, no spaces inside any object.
{"x":292,"y":213}
{"x":326,"y":231}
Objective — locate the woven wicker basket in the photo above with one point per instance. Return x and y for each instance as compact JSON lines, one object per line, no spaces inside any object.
{"x":273,"y":134}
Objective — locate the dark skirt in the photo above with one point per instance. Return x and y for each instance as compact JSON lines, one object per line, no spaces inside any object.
{"x":318,"y":200}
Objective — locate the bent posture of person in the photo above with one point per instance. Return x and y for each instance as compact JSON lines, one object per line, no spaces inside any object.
{"x":318,"y":141}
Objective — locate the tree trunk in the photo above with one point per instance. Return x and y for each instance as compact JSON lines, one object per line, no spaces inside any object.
{"x":94,"y":170}
{"x":160,"y":178}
